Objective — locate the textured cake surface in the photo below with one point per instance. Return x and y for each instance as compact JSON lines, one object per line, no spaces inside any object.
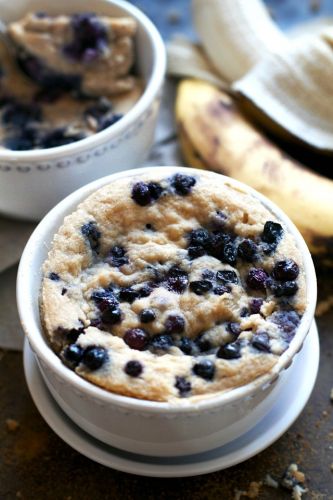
{"x":163,"y":287}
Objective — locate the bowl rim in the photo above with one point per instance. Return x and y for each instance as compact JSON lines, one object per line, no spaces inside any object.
{"x":152,"y":87}
{"x":29,"y":269}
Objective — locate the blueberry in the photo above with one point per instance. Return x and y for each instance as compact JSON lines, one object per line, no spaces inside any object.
{"x":272,"y":232}
{"x":54,"y":277}
{"x":287,"y":321}
{"x":287,"y":289}
{"x":104,"y":299}
{"x":233,"y":328}
{"x":107,"y":121}
{"x":70,"y":334}
{"x":147,"y":315}
{"x":286,"y":270}
{"x":244,"y":312}
{"x":133,"y":368}
{"x":257,"y":279}
{"x":205,"y":369}
{"x":229,"y":254}
{"x":182,"y":184}
{"x":196,"y":252}
{"x":183,"y":386}
{"x":199,"y":237}
{"x":99,"y":109}
{"x":35,"y":69}
{"x":174,"y":324}
{"x":136,"y":338}
{"x":247,"y":250}
{"x":117,"y":257}
{"x":149,"y":227}
{"x":229,"y":351}
{"x":141,"y":194}
{"x":89,"y":38}
{"x":203,"y":344}
{"x":186,"y":345}
{"x":128,"y":295}
{"x":155,"y":190}
{"x":161,"y":342}
{"x":261,"y":341}
{"x":19,"y":114}
{"x":208,"y":274}
{"x":144,"y":291}
{"x":73,"y":354}
{"x":255,"y":305}
{"x":218,"y":219}
{"x":227,"y":277}
{"x":218,"y":241}
{"x":176,"y":280}
{"x":18,"y":143}
{"x":111,"y":315}
{"x":94,"y":357}
{"x":60,"y":137}
{"x":201,"y":287}
{"x":92,"y":234}
{"x":221,"y":290}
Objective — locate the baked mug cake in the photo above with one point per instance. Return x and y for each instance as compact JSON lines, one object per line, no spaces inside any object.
{"x":73,"y":77}
{"x":165,"y":287}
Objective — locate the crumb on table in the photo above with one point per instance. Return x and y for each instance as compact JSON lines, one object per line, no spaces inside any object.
{"x":12,"y":425}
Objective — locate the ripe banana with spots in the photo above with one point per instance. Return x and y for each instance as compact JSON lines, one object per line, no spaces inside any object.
{"x":215,"y":135}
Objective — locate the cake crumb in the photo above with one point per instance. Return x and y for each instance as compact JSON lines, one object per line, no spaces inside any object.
{"x":252,"y":492}
{"x":324,"y":413}
{"x":331,"y":395}
{"x":270,"y":481}
{"x":293,"y":480}
{"x":12,"y":425}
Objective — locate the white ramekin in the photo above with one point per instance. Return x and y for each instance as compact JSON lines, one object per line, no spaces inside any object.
{"x":32,"y":182}
{"x":150,"y":428}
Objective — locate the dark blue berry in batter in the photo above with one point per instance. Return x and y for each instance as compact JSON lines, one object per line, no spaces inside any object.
{"x":247,"y":250}
{"x":54,"y":276}
{"x":92,"y":234}
{"x":128,"y":295}
{"x":261,"y":341}
{"x":255,"y":305}
{"x":143,"y":194}
{"x":73,"y":354}
{"x":201,"y":287}
{"x":117,"y":257}
{"x":203,"y":344}
{"x":196,"y":252}
{"x":94,"y":357}
{"x":286,"y":270}
{"x":233,"y":328}
{"x":133,"y":368}
{"x":186,"y":345}
{"x":286,"y":289}
{"x":272,"y":232}
{"x":136,"y":338}
{"x":176,"y":280}
{"x":174,"y":324}
{"x":162,"y":342}
{"x":199,"y":237}
{"x":183,"y":386}
{"x":227,"y":277}
{"x":221,"y":290}
{"x":205,"y":369}
{"x":229,"y":351}
{"x":182,"y":184}
{"x":257,"y":279}
{"x":147,"y":315}
{"x":112,"y":315}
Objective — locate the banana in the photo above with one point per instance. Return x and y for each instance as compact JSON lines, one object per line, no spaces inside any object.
{"x":215,"y":135}
{"x":236,"y":34}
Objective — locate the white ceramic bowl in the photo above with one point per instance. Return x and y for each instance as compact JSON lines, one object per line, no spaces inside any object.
{"x":150,"y":428}
{"x":32,"y":182}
